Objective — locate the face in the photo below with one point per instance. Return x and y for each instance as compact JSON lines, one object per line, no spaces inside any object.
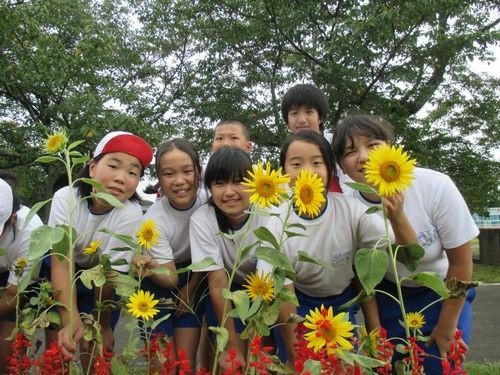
{"x":231,"y":199}
{"x":178,"y":178}
{"x":119,"y":173}
{"x":356,"y":154}
{"x":305,"y":155}
{"x":230,"y":135}
{"x":303,"y":118}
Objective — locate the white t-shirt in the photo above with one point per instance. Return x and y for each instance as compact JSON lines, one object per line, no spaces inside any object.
{"x":15,"y":242}
{"x":208,"y":241}
{"x":125,"y":220}
{"x":440,"y":217}
{"x":173,"y":225}
{"x":332,"y":237}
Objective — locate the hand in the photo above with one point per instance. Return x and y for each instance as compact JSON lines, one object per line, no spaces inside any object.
{"x":443,"y":339}
{"x":69,"y":342}
{"x":108,"y":338}
{"x":142,"y":264}
{"x":393,"y":206}
{"x":232,"y":360}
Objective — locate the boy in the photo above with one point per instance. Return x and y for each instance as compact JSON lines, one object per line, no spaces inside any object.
{"x":232,"y":133}
{"x":304,"y":107}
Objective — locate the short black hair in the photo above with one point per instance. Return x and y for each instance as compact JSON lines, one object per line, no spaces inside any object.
{"x":244,"y":127}
{"x":317,"y":139}
{"x":360,"y":124}
{"x":308,"y":95}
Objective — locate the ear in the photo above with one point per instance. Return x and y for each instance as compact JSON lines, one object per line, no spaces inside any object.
{"x":92,"y":165}
{"x":249,"y":146}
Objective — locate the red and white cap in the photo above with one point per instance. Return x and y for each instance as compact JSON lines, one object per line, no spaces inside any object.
{"x":127,"y":143}
{"x":5,"y":203}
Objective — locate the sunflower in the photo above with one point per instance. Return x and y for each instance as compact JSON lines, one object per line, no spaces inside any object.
{"x":141,"y":305}
{"x":56,"y":142}
{"x":260,"y":285}
{"x":415,"y":320}
{"x":92,"y":248}
{"x":20,"y":265}
{"x":328,"y":330}
{"x":147,"y":235}
{"x":369,"y":341}
{"x":309,"y":193}
{"x":266,"y":186}
{"x":389,"y":169}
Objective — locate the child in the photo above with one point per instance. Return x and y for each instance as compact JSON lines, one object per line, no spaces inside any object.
{"x":178,"y":170}
{"x":444,"y":228}
{"x":341,"y":228}
{"x":304,"y":107}
{"x":226,"y":212}
{"x":232,"y":133}
{"x":15,"y":235}
{"x":118,"y":163}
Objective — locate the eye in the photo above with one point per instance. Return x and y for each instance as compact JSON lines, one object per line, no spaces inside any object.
{"x":133,"y":173}
{"x":112,"y":166}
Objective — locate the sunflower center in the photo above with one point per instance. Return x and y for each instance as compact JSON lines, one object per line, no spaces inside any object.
{"x":266,"y":188}
{"x":326,"y":330}
{"x":390,"y":171}
{"x":143,"y":307}
{"x":54,"y":142}
{"x":306,"y":194}
{"x":260,"y":288}
{"x":148,"y":234}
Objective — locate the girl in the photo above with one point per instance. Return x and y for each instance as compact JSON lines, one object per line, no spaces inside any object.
{"x":178,"y":170}
{"x":444,"y":228}
{"x":15,"y":235}
{"x":225,"y":213}
{"x":341,"y":228}
{"x":118,"y":163}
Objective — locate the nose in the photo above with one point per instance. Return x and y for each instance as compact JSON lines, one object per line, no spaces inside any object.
{"x":120,"y":176}
{"x":363,"y":153}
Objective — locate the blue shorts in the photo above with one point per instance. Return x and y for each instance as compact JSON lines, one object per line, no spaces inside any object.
{"x":85,"y":297}
{"x":308,"y":303}
{"x":188,"y":320}
{"x":415,"y":299}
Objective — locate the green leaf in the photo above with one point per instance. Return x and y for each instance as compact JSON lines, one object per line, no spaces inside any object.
{"x":373,"y":210}
{"x":3,"y":252}
{"x":364,"y":188}
{"x":125,"y":285}
{"x":75,"y":144}
{"x":95,"y":184}
{"x":34,"y":209}
{"x":264,"y":234}
{"x":93,"y":275}
{"x":275,"y":258}
{"x":127,"y":239}
{"x":208,"y":261}
{"x":371,"y":266}
{"x":66,"y":243}
{"x":108,"y":198}
{"x":222,"y":336}
{"x":312,"y":366}
{"x":366,"y":362}
{"x":241,"y":303}
{"x":433,"y":281}
{"x":46,"y":159}
{"x":41,"y":240}
{"x":409,"y":255}
{"x":305,"y":257}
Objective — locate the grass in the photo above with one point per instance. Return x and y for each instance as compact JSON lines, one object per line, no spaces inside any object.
{"x":485,"y":273}
{"x":482,"y":368}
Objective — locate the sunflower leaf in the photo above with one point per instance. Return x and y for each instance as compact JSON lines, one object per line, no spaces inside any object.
{"x":304,"y":257}
{"x":433,"y":281}
{"x":409,"y":254}
{"x":264,"y":234}
{"x":371,"y":266}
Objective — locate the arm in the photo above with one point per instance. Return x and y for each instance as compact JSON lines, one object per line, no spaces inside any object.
{"x":217,"y":281}
{"x":61,"y":283}
{"x":8,"y":302}
{"x":460,"y":267}
{"x":287,"y":330}
{"x":403,"y":231}
{"x":369,"y":308}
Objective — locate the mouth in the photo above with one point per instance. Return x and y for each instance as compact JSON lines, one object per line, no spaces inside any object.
{"x":114,"y":191}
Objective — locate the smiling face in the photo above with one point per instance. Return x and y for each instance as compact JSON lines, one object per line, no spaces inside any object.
{"x":304,"y":118}
{"x":178,"y":178}
{"x":355,"y":156}
{"x":119,"y":173}
{"x":231,"y":199}
{"x":305,"y":155}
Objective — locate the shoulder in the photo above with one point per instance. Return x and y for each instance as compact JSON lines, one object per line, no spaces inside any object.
{"x":34,"y":222}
